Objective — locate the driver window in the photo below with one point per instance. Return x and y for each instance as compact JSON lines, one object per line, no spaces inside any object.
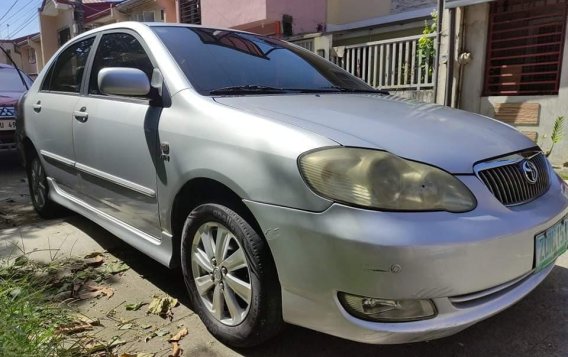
{"x":119,"y":50}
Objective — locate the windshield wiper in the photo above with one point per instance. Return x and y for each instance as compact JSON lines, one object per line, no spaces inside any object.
{"x":357,"y":90}
{"x":249,"y":88}
{"x":256,"y":89}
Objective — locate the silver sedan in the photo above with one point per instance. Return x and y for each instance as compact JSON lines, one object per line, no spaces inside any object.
{"x":287,"y":189}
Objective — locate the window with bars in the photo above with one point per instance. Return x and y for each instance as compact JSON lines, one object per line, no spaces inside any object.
{"x":525,"y":45}
{"x":190,"y":11}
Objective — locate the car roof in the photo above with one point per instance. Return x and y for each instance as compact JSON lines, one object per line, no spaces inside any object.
{"x":136,"y":25}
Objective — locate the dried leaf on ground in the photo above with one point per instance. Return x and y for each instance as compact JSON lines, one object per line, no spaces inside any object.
{"x":178,"y":336}
{"x":125,"y":327}
{"x":96,"y":345}
{"x":94,"y":261}
{"x":176,"y":350}
{"x":91,"y":290}
{"x":73,"y":328}
{"x":150,"y":336}
{"x":142,"y":354}
{"x":135,"y":306}
{"x":162,"y":332}
{"x":146,"y":326}
{"x":87,"y":319}
{"x":93,"y":255}
{"x":116,"y":267}
{"x":162,"y":306}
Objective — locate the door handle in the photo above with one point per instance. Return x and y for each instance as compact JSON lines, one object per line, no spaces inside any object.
{"x":81,"y":115}
{"x":37,"y":106}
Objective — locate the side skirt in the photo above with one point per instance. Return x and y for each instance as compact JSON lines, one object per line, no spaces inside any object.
{"x":160,"y":250}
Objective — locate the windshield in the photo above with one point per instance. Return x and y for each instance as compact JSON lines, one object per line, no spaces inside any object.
{"x":225,"y":62}
{"x":10,"y":81}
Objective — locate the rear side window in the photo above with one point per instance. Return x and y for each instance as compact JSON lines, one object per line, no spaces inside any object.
{"x":119,"y":50}
{"x":66,"y":73}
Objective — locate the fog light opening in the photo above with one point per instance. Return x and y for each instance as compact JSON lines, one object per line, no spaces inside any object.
{"x":384,"y":310}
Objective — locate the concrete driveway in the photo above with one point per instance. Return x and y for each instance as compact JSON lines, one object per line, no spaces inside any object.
{"x":537,"y":326}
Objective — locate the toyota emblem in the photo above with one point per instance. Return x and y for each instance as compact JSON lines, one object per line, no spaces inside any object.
{"x":530,"y":171}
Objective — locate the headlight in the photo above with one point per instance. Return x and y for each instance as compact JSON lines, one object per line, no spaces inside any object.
{"x":380,"y":180}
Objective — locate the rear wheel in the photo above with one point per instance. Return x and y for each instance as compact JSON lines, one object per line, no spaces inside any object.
{"x":39,"y":190}
{"x":230,"y":276}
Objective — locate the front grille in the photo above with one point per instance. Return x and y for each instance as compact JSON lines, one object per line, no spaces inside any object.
{"x":508,"y":180}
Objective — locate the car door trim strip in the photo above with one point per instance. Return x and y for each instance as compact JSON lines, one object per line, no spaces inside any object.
{"x":100,"y":174}
{"x":48,"y":155}
{"x":116,"y":180}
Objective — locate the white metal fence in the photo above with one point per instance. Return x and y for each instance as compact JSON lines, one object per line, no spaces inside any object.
{"x":390,"y":64}
{"x":307,"y":44}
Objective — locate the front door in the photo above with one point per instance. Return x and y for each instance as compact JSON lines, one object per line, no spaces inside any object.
{"x":51,"y":109}
{"x":114,"y":139}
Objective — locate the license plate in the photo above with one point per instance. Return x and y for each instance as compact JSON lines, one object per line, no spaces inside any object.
{"x":7,"y":125}
{"x":551,"y":244}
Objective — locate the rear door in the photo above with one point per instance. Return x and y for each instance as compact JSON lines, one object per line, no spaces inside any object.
{"x":50,"y":120}
{"x":115,"y":139}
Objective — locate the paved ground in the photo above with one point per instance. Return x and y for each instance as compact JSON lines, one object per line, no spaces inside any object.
{"x":537,"y":326}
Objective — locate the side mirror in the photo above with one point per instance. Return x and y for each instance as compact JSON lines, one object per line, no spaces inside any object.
{"x":123,"y":81}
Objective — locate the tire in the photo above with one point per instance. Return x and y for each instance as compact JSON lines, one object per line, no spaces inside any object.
{"x":239,"y":319}
{"x":39,"y":190}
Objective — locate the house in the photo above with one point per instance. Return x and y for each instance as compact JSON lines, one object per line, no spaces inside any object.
{"x":265,"y":17}
{"x":508,"y":59}
{"x":60,"y":20}
{"x":23,"y":51}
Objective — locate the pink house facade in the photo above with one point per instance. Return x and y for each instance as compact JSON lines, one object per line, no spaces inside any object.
{"x":268,"y":17}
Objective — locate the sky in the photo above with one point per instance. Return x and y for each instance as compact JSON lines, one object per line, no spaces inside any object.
{"x":18,"y":18}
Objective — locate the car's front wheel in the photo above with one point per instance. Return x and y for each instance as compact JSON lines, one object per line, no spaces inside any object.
{"x":230,"y":275}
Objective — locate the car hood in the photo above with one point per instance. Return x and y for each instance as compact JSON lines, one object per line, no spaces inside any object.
{"x":448,"y":138}
{"x":9,"y":98}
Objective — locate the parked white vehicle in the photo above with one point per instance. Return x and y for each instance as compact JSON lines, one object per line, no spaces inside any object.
{"x":287,"y":189}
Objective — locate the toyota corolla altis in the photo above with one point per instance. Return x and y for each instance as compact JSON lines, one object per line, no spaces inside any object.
{"x":287,"y":189}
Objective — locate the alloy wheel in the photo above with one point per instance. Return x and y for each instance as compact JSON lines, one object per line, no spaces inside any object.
{"x":221,"y":273}
{"x":39,"y":189}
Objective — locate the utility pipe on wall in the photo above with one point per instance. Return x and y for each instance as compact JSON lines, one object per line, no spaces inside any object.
{"x":438,"y":45}
{"x":451,"y":58}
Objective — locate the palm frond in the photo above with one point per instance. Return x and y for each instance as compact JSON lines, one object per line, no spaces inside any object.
{"x":558,"y":130}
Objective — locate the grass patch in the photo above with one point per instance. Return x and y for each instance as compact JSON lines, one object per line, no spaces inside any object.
{"x":35,"y":319}
{"x":28,"y":317}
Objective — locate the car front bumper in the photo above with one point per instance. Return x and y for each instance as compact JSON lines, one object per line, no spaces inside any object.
{"x":7,"y":141}
{"x":471,"y":265}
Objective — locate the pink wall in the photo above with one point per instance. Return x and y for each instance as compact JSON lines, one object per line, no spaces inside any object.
{"x":231,"y":13}
{"x":307,"y":14}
